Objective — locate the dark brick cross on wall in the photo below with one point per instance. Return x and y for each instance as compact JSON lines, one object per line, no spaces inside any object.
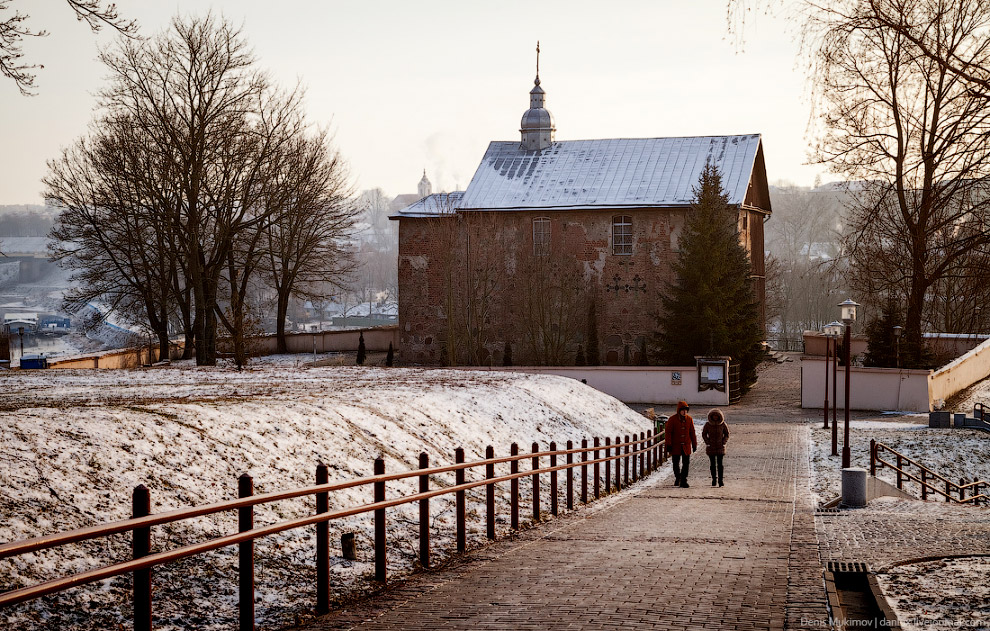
{"x":637,"y":285}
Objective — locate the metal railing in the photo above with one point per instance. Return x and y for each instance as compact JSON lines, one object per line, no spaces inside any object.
{"x":928,"y":481}
{"x":634,"y":458}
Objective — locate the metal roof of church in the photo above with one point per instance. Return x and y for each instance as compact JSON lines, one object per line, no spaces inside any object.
{"x":432,"y":205}
{"x":633,"y":172}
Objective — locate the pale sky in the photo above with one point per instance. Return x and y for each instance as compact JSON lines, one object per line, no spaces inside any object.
{"x":406,"y":85}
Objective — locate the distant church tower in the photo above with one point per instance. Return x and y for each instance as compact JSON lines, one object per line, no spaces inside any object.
{"x":537,"y":122}
{"x":425,"y":188}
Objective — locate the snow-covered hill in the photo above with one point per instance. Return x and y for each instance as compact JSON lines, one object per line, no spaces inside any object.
{"x":73,"y":445}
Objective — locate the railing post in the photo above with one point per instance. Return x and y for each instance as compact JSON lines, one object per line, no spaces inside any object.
{"x":873,"y":457}
{"x":514,"y":488}
{"x":553,"y":478}
{"x":245,"y":556}
{"x":140,"y":547}
{"x":490,"y":492}
{"x":536,"y":483}
{"x":381,"y":572}
{"x":948,"y":491}
{"x":584,"y":471}
{"x":962,"y":491}
{"x":570,"y":476}
{"x":900,"y":482}
{"x":618,"y":464}
{"x":322,"y":544}
{"x":597,"y":471}
{"x":625,"y":461}
{"x":648,"y":445}
{"x":608,"y":465}
{"x":424,"y":512}
{"x":924,"y":485}
{"x":461,"y":509}
{"x":642,"y":455}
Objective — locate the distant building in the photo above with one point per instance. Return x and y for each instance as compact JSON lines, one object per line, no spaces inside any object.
{"x":547,"y":227}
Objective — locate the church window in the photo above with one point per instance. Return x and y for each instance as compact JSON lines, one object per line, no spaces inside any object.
{"x":541,"y":236}
{"x":622,"y":234}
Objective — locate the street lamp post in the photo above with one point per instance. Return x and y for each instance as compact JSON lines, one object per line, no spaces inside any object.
{"x":834,"y":330}
{"x":825,"y":409}
{"x":848,"y":308}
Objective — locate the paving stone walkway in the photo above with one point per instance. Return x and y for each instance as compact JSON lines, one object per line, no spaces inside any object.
{"x":744,"y":556}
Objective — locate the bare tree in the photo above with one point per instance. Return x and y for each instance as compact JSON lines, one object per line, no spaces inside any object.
{"x":555,"y":302}
{"x":207,"y":156}
{"x":95,"y":13}
{"x":916,"y":134}
{"x":114,"y":202}
{"x":304,"y":244}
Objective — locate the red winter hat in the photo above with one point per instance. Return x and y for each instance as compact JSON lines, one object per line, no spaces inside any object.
{"x":682,"y":405}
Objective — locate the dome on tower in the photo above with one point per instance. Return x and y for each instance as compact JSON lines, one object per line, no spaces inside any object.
{"x":537,"y":127}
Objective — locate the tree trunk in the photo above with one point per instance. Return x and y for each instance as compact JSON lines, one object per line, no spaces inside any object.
{"x":282,"y":310}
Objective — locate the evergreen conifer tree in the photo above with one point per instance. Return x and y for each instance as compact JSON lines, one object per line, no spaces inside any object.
{"x":507,"y":355}
{"x":710,"y":310}
{"x":390,"y":357}
{"x":362,"y":353}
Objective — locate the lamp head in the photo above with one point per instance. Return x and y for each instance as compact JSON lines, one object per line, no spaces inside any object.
{"x":848,"y":309}
{"x":898,"y":330}
{"x":834,"y":329}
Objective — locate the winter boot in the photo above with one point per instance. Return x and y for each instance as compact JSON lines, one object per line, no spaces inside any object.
{"x":684,"y":484}
{"x":714,"y":482}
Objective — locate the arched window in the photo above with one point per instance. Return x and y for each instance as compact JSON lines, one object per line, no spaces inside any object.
{"x":541,"y":236}
{"x":622,"y":234}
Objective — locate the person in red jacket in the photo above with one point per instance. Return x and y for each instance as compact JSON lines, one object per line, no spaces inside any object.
{"x":715,"y":433}
{"x":680,"y":440}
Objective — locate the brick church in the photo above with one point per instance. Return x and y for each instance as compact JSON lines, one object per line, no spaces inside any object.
{"x":555,"y":244}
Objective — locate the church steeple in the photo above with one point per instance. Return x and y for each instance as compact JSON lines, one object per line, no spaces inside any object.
{"x":537,"y":126}
{"x":425,"y":187}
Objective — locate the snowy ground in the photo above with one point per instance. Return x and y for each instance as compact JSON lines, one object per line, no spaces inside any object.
{"x":938,"y":594}
{"x":953,"y":453}
{"x":73,"y":444}
{"x":944,"y":594}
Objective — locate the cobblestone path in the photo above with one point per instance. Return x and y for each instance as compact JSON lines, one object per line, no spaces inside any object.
{"x":743,"y":556}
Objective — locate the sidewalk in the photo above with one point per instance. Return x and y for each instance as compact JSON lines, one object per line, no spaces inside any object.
{"x":654,"y":557}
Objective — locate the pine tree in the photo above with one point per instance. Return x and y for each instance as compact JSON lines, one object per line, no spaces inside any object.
{"x":390,"y":357}
{"x":362,"y":353}
{"x":593,"y":355}
{"x":507,"y":355}
{"x":710,"y":310}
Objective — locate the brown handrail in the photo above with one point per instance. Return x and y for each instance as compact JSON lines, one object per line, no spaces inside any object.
{"x":643,"y":448}
{"x":927,"y":475}
{"x":92,"y":532}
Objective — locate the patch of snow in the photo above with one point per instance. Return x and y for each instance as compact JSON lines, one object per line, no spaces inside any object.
{"x":74,"y":443}
{"x":948,"y":593}
{"x":952,"y":453}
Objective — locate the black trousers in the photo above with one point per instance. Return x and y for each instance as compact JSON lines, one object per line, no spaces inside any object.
{"x":677,"y":466}
{"x":716,"y":465}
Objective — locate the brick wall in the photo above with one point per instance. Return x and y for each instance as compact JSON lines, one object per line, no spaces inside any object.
{"x":444,"y":262}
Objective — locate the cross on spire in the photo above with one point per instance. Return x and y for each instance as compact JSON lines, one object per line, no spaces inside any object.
{"x":537,"y":62}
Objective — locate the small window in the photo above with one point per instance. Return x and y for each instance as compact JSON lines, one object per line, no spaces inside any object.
{"x":541,"y":236}
{"x":622,"y":235}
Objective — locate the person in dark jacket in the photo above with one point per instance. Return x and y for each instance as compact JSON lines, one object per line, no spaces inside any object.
{"x":680,"y":440}
{"x":715,"y":434}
